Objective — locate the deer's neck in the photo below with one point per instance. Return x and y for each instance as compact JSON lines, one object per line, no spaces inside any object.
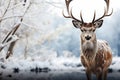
{"x":89,"y":49}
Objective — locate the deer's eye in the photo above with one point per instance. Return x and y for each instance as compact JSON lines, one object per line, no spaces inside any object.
{"x":82,"y":30}
{"x":94,"y":30}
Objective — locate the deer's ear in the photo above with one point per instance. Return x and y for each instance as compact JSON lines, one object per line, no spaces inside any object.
{"x":76,"y":24}
{"x":98,"y":24}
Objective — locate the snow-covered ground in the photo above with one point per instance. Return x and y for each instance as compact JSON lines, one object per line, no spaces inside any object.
{"x":53,"y":68}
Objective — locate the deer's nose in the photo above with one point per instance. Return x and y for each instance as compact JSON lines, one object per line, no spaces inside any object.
{"x":88,"y":37}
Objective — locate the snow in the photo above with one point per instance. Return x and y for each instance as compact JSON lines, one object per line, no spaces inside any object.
{"x":55,"y":66}
{"x":67,"y":61}
{"x":47,"y":40}
{"x":49,"y":59}
{"x":115,"y":64}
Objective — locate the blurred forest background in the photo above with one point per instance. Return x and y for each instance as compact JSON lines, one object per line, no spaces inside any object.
{"x":36,"y":28}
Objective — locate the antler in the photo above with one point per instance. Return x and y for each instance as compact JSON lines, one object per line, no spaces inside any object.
{"x":105,"y":12}
{"x":70,"y":15}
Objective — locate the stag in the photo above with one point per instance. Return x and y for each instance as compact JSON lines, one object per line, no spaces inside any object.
{"x":96,"y":55}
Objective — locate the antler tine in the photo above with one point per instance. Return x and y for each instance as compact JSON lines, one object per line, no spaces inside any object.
{"x":102,"y":16}
{"x":70,"y":15}
{"x":67,"y":5}
{"x":107,"y":3}
{"x":105,"y":11}
{"x":110,"y":13}
{"x":73,"y":16}
{"x":81,"y":17}
{"x":65,"y":15}
{"x":94,"y":17}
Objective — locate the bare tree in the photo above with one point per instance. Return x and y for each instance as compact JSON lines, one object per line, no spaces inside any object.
{"x":10,"y":39}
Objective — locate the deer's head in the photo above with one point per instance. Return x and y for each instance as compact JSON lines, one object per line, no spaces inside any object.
{"x":87,"y":29}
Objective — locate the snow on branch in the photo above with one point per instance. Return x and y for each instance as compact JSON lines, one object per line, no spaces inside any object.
{"x":6,"y":9}
{"x":10,"y":37}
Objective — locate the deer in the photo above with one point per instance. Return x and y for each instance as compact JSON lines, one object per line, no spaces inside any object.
{"x":96,"y":55}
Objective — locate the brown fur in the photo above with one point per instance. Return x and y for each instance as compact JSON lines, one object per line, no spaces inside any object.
{"x":101,"y":61}
{"x":96,"y":55}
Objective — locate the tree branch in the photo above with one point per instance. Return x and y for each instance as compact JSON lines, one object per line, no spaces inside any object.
{"x":10,"y":49}
{"x":10,"y":17}
{"x":5,"y":10}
